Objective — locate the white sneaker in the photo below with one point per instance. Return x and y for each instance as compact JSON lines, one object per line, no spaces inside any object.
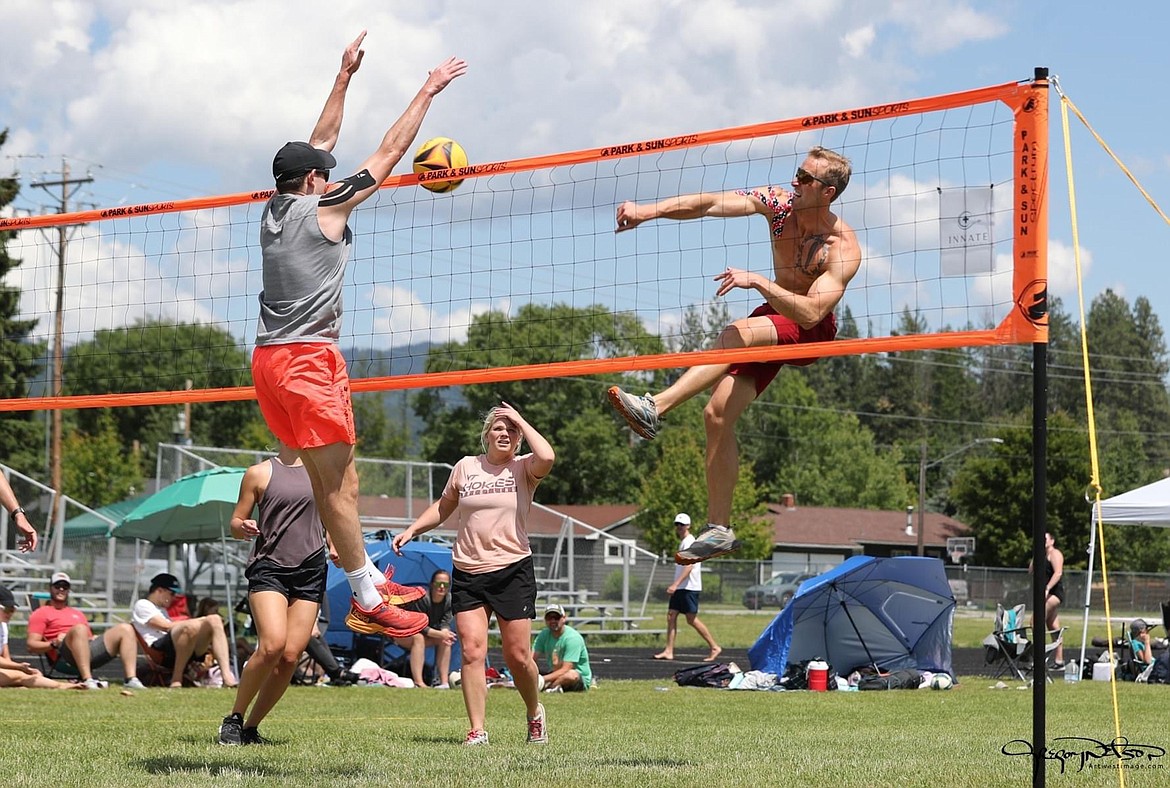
{"x":92,"y":683}
{"x":537,"y":731}
{"x":134,"y":683}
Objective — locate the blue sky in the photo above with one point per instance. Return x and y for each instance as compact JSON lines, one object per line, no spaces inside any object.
{"x":158,"y":100}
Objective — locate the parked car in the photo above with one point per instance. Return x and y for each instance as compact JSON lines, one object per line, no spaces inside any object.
{"x":775,"y":591}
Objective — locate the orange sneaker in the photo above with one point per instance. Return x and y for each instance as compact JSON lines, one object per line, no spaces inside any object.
{"x":396,"y":594}
{"x":385,"y":620}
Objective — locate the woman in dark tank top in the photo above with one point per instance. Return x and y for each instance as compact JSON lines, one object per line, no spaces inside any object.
{"x":286,"y":581}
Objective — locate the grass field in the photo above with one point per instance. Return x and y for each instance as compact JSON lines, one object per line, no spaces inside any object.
{"x":625,"y":733}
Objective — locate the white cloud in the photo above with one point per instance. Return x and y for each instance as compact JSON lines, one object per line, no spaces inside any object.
{"x":857,"y":42}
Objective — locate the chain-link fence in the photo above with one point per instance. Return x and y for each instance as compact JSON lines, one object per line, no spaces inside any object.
{"x":109,"y":574}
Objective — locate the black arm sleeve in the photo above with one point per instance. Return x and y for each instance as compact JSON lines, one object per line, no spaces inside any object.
{"x":344,"y":189}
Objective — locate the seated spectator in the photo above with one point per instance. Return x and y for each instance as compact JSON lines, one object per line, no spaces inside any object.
{"x":1139,"y":642}
{"x":62,"y":633}
{"x":207,"y":606}
{"x":204,"y":672}
{"x":438,"y":633}
{"x":320,"y":652}
{"x":566,"y":660}
{"x":179,"y":640}
{"x":20,"y":674}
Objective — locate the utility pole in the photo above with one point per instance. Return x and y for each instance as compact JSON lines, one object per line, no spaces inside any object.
{"x":69,"y":187}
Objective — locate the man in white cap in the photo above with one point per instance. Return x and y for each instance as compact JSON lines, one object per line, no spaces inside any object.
{"x":20,"y":674}
{"x":560,"y":653}
{"x":684,"y":595}
{"x":62,"y":633}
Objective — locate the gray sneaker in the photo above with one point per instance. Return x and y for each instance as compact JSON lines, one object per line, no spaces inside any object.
{"x":639,"y":412}
{"x":714,"y":541}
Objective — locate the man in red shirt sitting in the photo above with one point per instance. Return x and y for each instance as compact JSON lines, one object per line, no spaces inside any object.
{"x":63,"y":634}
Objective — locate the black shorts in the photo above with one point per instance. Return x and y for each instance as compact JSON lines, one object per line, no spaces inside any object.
{"x":1058,"y":591}
{"x":166,"y":647}
{"x":684,"y":601}
{"x":509,"y":592}
{"x":306,"y":581}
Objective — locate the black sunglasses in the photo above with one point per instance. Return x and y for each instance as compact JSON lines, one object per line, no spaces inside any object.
{"x":61,"y":585}
{"x":804,"y":177}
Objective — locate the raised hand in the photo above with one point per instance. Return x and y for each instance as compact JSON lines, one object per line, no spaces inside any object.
{"x":441,"y":76}
{"x":351,"y":58}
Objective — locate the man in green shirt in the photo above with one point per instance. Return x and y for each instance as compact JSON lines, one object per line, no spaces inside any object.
{"x":561,"y":654}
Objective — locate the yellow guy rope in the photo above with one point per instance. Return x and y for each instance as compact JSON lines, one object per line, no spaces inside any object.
{"x":1094,"y":482}
{"x":1065,"y":102}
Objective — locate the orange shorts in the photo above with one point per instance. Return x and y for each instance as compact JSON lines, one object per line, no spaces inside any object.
{"x":303,"y":391}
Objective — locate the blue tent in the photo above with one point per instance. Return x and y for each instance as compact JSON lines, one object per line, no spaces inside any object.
{"x":889,"y":613}
{"x":419,"y":560}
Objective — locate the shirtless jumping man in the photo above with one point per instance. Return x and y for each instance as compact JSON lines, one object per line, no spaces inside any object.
{"x":815,"y":254}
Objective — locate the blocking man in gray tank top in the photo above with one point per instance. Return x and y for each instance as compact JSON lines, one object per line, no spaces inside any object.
{"x":302,"y":385}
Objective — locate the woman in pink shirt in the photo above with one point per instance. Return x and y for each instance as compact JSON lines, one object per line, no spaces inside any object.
{"x":492,"y":493}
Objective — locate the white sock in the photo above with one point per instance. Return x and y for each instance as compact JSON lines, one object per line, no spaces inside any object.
{"x":361,"y":583}
{"x":374,"y":571}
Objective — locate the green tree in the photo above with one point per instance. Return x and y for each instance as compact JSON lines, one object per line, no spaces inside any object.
{"x":822,"y":455}
{"x":572,"y":413}
{"x":155,"y":356}
{"x":678,"y":484}
{"x":992,"y":491}
{"x":96,"y":469}
{"x":376,"y":435}
{"x":21,"y":434}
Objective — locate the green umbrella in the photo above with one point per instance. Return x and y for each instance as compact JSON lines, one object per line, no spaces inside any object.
{"x":97,"y":524}
{"x":195,"y":508}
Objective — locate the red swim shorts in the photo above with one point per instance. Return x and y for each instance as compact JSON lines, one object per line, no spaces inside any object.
{"x":303,"y":391}
{"x":788,"y":332}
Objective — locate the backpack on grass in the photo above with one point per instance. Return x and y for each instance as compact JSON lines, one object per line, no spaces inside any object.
{"x":718,"y":675}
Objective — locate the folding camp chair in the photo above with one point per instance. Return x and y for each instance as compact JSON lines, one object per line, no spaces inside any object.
{"x":1007,"y":646}
{"x":58,"y":669}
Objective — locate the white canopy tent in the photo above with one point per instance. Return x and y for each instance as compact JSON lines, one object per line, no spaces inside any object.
{"x":1148,"y":505}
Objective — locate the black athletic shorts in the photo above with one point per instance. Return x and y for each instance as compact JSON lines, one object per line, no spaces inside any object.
{"x":166,"y":647}
{"x":509,"y":592}
{"x":306,"y":581}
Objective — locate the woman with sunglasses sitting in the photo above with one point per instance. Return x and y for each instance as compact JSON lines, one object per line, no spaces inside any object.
{"x":437,"y":635}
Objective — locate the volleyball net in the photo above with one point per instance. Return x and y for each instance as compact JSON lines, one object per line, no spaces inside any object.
{"x":947,"y":199}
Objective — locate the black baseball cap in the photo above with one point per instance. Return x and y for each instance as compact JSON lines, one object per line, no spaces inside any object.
{"x":6,"y":597}
{"x":297,"y":158}
{"x":167,"y":581}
